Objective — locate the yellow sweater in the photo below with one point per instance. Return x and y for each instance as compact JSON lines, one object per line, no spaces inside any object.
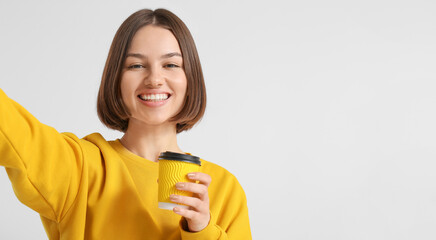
{"x":91,"y":188}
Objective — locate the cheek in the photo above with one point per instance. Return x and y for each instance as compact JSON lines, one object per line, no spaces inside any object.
{"x":127,"y":91}
{"x":183,"y":86}
{"x":124,"y":92}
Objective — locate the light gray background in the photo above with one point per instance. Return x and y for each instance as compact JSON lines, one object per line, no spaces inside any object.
{"x":324,"y":110}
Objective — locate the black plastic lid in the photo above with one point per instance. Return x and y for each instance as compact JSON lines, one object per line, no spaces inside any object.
{"x":179,"y":157}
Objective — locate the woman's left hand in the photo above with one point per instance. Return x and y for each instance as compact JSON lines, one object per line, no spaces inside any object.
{"x":198,"y":215}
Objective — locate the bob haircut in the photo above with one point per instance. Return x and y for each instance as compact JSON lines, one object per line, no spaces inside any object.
{"x":111,"y":110}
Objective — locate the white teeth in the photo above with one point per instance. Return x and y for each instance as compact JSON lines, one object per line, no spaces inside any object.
{"x":154,"y":97}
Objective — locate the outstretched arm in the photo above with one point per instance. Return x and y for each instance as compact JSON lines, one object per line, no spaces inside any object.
{"x":44,"y":166}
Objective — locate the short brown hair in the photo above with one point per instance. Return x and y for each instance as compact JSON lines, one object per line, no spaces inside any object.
{"x":110,"y":107}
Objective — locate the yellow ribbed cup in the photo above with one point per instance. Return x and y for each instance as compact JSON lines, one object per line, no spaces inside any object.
{"x":170,"y":173}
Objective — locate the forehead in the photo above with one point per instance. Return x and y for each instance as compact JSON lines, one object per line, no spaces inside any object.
{"x":152,"y":39}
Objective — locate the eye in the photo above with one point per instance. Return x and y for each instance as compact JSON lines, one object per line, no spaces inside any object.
{"x":135,"y":66}
{"x":171,"y":65}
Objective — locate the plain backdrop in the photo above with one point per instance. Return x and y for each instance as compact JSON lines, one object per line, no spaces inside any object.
{"x":324,"y":110}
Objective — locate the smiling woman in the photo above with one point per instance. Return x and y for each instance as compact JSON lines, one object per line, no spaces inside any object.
{"x":111,"y":109}
{"x":153,"y":83}
{"x":152,"y":88}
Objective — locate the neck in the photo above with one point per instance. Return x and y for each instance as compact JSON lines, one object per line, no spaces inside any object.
{"x":149,"y":141}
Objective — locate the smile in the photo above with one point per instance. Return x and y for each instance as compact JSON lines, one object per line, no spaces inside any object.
{"x":154,"y":97}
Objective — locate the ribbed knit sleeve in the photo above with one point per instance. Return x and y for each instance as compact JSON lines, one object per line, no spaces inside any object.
{"x":211,"y":232}
{"x":44,"y":166}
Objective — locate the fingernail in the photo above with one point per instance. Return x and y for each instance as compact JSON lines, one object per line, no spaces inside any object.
{"x":180,"y":185}
{"x":176,"y":209}
{"x":191,"y":175}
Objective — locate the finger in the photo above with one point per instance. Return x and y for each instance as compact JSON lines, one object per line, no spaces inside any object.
{"x":187,"y":213}
{"x":193,"y":202}
{"x":203,"y":178}
{"x":199,"y":189}
{"x":195,"y":221}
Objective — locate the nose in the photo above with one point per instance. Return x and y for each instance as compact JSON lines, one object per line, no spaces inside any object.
{"x":155,"y":78}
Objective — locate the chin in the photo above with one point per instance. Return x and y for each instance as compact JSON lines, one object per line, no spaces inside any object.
{"x":153,"y":120}
{"x":156,"y":122}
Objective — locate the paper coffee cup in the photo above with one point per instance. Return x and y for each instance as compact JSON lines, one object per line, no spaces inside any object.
{"x":174,"y":168}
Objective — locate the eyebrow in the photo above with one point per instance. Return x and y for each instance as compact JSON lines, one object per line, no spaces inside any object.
{"x":142,"y":56}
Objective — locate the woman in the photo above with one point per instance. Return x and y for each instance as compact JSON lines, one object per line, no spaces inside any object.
{"x":152,"y":88}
